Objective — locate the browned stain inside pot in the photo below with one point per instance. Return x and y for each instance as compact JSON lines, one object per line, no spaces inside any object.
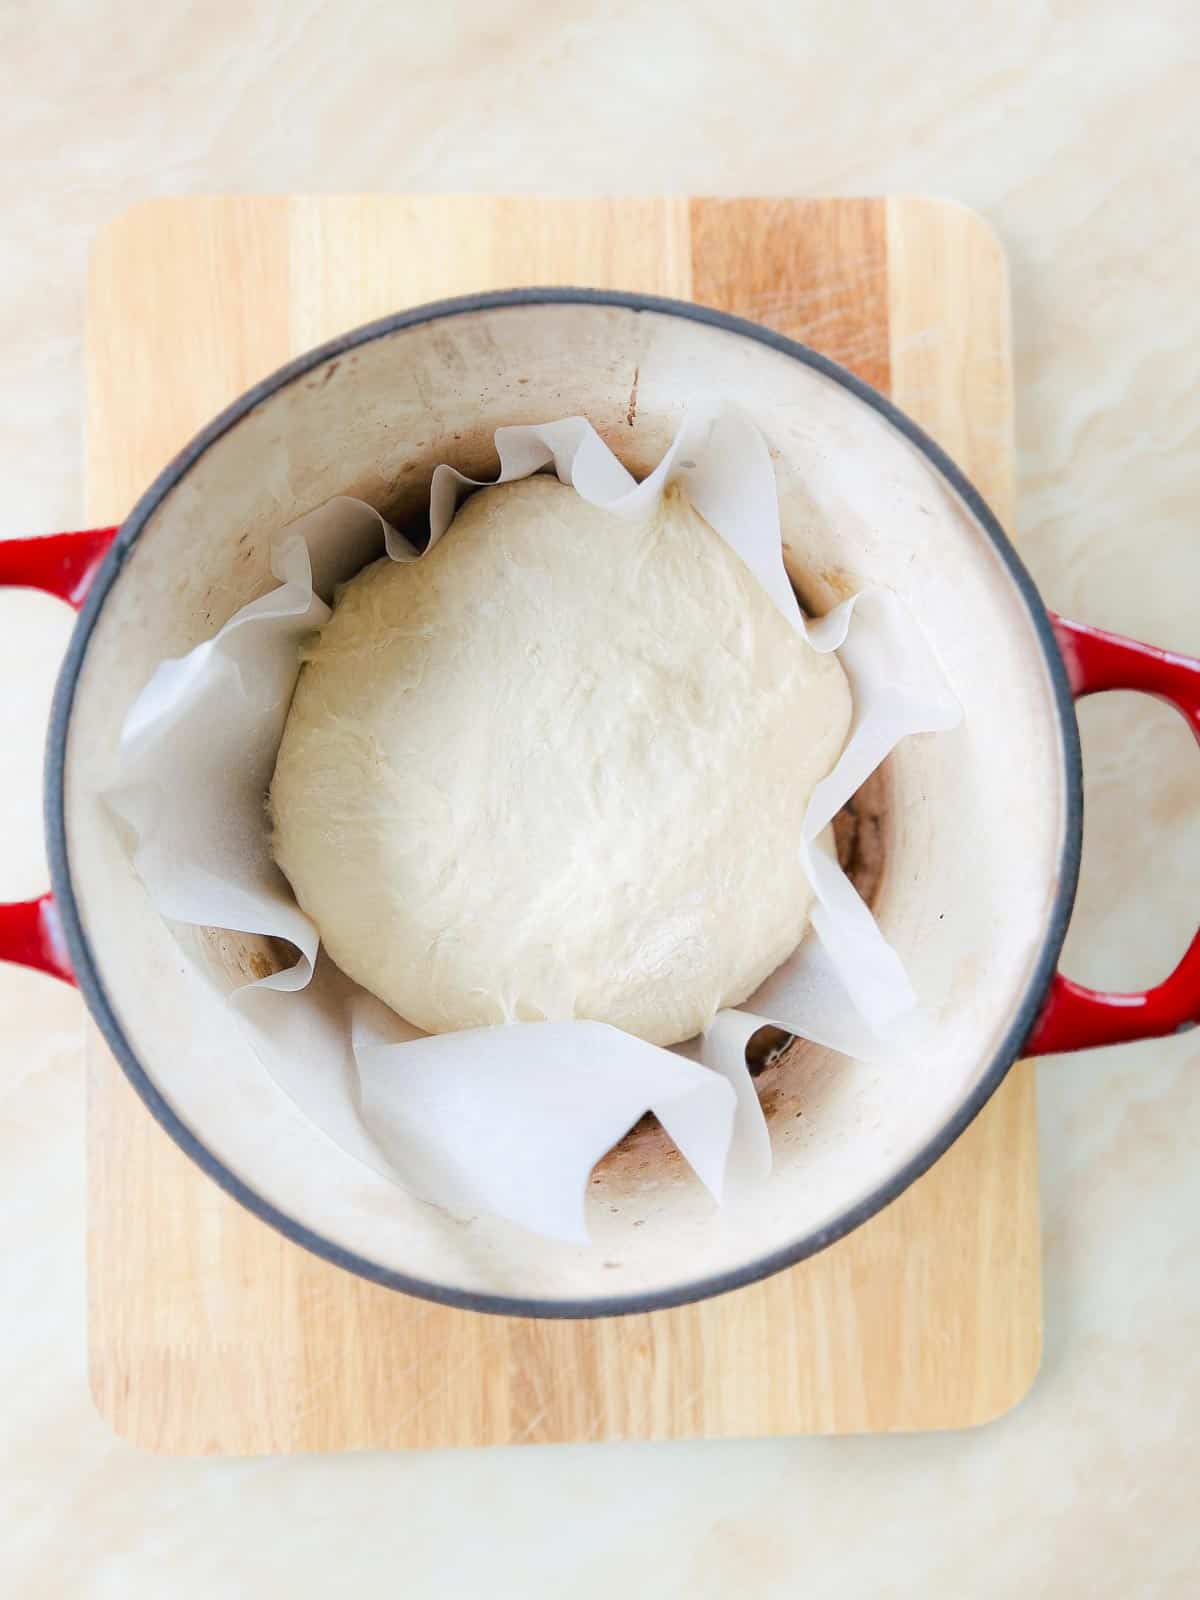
{"x":247,"y":957}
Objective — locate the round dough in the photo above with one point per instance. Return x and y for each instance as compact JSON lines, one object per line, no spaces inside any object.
{"x":555,"y":769}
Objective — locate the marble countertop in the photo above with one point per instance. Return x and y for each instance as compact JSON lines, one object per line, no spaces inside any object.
{"x":1072,"y":127}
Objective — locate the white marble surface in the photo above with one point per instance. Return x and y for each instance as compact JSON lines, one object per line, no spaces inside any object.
{"x":1073,"y":126}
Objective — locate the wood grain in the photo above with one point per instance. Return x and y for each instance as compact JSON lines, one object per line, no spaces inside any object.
{"x":208,"y":1332}
{"x":771,"y":260}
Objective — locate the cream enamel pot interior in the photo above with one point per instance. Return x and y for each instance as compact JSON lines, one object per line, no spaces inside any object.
{"x":981,"y":826}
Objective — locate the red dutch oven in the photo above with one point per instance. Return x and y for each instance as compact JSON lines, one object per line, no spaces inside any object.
{"x":982,"y":827}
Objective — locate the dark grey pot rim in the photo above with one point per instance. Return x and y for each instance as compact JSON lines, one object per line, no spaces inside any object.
{"x":84,"y":963}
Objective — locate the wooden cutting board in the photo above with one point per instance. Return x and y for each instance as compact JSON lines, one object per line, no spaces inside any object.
{"x":208,"y":1331}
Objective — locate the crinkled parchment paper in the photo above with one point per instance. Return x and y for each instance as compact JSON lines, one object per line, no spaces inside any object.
{"x":511,"y":1119}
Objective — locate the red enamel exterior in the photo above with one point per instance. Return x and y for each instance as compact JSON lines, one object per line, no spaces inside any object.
{"x":1072,"y":1018}
{"x":61,"y":564}
{"x":30,"y":935}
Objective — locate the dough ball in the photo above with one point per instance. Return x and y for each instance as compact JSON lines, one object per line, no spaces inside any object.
{"x":557,"y":769}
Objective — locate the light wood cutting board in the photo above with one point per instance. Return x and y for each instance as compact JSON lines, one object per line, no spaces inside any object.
{"x":211,"y":1333}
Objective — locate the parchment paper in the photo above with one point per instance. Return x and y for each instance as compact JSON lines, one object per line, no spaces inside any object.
{"x":511,"y":1120}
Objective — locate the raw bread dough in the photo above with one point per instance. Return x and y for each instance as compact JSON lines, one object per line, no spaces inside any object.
{"x":557,"y":769}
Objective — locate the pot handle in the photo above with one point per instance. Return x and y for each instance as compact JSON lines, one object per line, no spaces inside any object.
{"x":64,"y":565}
{"x":1074,"y":1017}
